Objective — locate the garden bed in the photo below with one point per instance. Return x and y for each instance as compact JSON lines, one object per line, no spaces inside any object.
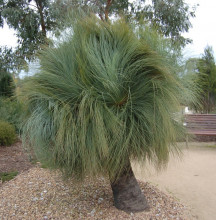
{"x":13,"y":158}
{"x":41,"y":194}
{"x":38,"y":193}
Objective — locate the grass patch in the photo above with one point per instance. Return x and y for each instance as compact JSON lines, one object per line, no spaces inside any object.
{"x":44,"y":166}
{"x":34,"y":161}
{"x":7,"y":176}
{"x":212,"y":146}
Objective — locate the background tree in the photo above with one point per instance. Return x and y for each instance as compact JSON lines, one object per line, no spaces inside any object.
{"x":34,"y":19}
{"x":205,"y":69}
{"x":7,"y":65}
{"x":9,"y":61}
{"x":6,"y":85}
{"x":10,"y":108}
{"x":170,"y":17}
{"x":102,"y":98}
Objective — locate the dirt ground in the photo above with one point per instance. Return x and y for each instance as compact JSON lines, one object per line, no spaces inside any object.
{"x":13,"y":158}
{"x":192,"y":179}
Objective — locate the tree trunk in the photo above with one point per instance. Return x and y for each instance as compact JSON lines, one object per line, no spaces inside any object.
{"x":40,"y":9}
{"x":127,"y":193}
{"x":109,"y":3}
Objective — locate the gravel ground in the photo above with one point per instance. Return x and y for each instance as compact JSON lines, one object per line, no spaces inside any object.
{"x":41,"y":194}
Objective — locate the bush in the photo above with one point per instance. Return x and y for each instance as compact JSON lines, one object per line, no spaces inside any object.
{"x":6,"y":85}
{"x":11,"y":111}
{"x":7,"y":133}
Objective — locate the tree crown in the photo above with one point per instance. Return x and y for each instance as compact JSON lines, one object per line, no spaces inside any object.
{"x":103,"y":95}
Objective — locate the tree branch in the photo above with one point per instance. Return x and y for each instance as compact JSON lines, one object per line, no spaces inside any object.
{"x":109,"y":3}
{"x":32,"y":5}
{"x":101,"y":17}
{"x":40,"y":9}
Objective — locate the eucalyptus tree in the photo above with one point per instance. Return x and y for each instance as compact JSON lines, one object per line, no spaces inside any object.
{"x":104,"y":96}
{"x":9,"y":62}
{"x":170,"y":17}
{"x":33,"y":19}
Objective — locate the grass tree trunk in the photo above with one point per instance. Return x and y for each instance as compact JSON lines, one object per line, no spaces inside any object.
{"x":127,"y":193}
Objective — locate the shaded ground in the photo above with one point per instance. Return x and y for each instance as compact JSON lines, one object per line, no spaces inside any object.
{"x":192,"y":179}
{"x":13,"y":158}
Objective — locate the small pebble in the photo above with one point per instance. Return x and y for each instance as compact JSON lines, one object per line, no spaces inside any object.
{"x":92,"y":212}
{"x":100,"y":200}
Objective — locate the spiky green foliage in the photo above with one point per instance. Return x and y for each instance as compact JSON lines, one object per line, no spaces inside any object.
{"x":102,"y":95}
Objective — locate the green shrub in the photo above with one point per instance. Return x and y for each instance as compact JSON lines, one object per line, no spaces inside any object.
{"x":11,"y":111}
{"x":7,"y":133}
{"x":7,"y":85}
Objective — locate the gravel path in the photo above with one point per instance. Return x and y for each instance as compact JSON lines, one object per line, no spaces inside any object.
{"x":41,"y":194}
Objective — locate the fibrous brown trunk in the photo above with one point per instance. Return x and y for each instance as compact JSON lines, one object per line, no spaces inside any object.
{"x":127,"y":193}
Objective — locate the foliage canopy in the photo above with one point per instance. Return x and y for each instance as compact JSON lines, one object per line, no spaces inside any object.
{"x":34,"y":20}
{"x":170,"y":17}
{"x":31,"y":19}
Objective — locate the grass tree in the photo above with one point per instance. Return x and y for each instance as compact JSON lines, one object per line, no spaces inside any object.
{"x":104,"y":96}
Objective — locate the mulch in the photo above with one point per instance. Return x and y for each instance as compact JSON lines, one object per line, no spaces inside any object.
{"x":14,"y":158}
